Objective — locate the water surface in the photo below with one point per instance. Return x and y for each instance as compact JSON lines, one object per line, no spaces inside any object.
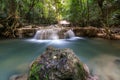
{"x":101,"y":56}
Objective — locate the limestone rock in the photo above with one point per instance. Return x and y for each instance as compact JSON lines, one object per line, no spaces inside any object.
{"x":59,"y":64}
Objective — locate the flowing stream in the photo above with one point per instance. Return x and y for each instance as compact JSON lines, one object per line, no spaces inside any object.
{"x":101,"y":56}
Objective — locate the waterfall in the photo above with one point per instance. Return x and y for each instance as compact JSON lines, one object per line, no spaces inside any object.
{"x":69,"y":34}
{"x":53,"y":34}
{"x":46,"y":34}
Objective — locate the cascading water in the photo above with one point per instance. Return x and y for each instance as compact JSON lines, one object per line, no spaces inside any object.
{"x":69,"y":34}
{"x":53,"y":34}
{"x":44,"y":34}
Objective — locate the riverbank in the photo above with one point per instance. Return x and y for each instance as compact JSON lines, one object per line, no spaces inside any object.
{"x":91,"y":32}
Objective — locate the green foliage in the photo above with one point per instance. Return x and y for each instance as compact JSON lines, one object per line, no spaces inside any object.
{"x":78,"y":12}
{"x":34,"y":72}
{"x":114,"y":18}
{"x":82,"y":74}
{"x":75,"y":11}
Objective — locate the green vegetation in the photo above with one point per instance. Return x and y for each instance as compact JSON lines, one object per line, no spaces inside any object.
{"x":82,"y":74}
{"x":78,"y":12}
{"x":97,"y":13}
{"x":34,"y":72}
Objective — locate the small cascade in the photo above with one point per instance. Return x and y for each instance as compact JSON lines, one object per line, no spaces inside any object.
{"x":53,"y":34}
{"x":69,"y":34}
{"x":47,"y":34}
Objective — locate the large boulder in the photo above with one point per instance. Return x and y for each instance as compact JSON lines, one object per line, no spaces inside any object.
{"x":59,"y":64}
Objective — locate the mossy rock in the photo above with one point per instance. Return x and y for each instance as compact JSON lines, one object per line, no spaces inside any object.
{"x":58,"y":64}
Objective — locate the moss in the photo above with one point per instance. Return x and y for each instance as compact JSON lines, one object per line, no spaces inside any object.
{"x":34,"y":71}
{"x":82,"y":74}
{"x":47,"y":77}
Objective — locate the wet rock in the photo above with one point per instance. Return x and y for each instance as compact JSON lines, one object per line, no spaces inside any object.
{"x":59,"y":64}
{"x":19,"y":77}
{"x":86,"y":31}
{"x":69,"y":34}
{"x":117,"y":61}
{"x":1,"y":26}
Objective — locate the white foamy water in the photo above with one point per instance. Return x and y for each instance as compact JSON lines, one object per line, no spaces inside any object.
{"x":53,"y":34}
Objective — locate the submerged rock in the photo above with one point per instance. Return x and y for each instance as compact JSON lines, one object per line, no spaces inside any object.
{"x":59,"y":64}
{"x":117,"y":62}
{"x":19,"y":77}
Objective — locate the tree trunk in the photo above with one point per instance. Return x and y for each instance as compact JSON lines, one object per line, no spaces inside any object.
{"x":100,"y":4}
{"x":12,"y":17}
